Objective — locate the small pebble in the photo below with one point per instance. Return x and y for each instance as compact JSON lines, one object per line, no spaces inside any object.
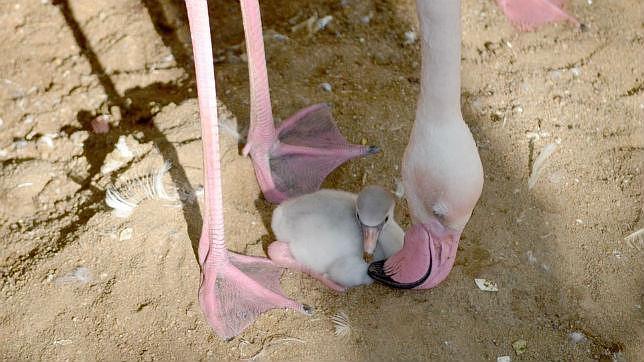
{"x":123,"y":149}
{"x":576,"y":72}
{"x":101,"y":124}
{"x":126,"y":234}
{"x":280,"y":37}
{"x":486,"y":285}
{"x":79,"y":137}
{"x":322,"y":23}
{"x":48,"y":139}
{"x":400,"y":189}
{"x":477,"y":105}
{"x":503,"y":359}
{"x":326,"y":87}
{"x":62,"y":342}
{"x":366,"y":19}
{"x":520,"y":346}
{"x":410,"y":37}
{"x":577,"y":337}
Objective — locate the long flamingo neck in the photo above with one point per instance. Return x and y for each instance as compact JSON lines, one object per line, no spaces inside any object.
{"x":260,"y":99}
{"x":214,"y":215}
{"x":440,"y":85}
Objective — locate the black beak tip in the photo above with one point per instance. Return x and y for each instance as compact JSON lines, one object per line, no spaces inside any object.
{"x":376,"y":271}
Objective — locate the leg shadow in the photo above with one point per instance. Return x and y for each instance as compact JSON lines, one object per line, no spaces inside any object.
{"x":136,"y":117}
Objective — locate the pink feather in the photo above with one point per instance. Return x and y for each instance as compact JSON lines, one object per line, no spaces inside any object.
{"x":528,"y":15}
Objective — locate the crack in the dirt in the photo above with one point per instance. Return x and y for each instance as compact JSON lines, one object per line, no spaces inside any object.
{"x":15,"y":161}
{"x":186,"y":141}
{"x":582,"y":61}
{"x":636,"y":89}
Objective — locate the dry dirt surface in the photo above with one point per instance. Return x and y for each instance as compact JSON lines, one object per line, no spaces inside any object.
{"x":78,"y":282}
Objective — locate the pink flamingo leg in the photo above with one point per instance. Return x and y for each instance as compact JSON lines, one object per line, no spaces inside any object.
{"x":284,"y":171}
{"x":234,"y":289}
{"x":530,"y":14}
{"x":280,"y":254}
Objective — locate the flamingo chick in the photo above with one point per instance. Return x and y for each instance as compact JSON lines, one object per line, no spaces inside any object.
{"x":329,"y":234}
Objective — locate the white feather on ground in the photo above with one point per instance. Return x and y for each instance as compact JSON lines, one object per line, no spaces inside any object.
{"x":80,"y":275}
{"x":636,"y":239}
{"x":228,"y":123}
{"x":150,"y":186}
{"x":229,"y":127}
{"x":341,"y":324}
{"x":539,"y":163}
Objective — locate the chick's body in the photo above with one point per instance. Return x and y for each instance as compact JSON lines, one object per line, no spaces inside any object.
{"x":324,"y":234}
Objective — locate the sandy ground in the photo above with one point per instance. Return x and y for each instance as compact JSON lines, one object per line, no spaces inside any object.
{"x":79,"y":283}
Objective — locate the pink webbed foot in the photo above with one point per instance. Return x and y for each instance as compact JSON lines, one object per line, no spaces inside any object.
{"x":308,"y":147}
{"x":280,"y":254}
{"x":234,"y":292}
{"x":530,"y":14}
{"x":425,"y":260}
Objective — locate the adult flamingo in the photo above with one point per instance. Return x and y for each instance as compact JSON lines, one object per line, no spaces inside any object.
{"x":442,"y":171}
{"x":295,"y":158}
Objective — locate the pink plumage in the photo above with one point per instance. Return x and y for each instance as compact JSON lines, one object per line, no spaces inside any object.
{"x":528,"y":15}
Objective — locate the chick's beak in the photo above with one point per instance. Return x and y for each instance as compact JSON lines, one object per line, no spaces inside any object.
{"x":370,"y":236}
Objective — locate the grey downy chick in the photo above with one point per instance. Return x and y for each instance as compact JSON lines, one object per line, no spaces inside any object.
{"x":330,"y":233}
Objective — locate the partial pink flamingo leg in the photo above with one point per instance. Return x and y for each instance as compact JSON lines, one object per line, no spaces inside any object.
{"x":234,"y":290}
{"x":280,"y":254}
{"x":284,"y":172}
{"x":530,"y":14}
